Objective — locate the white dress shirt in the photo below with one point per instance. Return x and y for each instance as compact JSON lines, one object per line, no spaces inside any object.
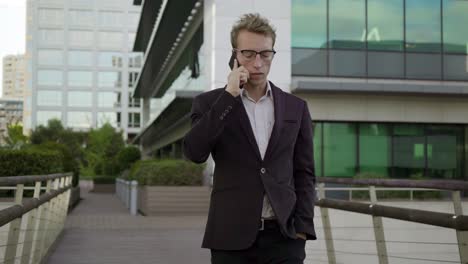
{"x":262,"y":118}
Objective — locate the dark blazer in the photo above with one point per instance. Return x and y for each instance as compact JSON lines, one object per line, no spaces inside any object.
{"x":220,"y":126}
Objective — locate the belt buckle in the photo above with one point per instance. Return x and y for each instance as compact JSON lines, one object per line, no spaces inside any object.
{"x":262,"y":227}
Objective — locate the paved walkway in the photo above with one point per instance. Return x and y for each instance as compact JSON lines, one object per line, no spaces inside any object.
{"x":101,"y":230}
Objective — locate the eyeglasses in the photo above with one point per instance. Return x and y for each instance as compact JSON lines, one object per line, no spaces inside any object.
{"x":266,"y":55}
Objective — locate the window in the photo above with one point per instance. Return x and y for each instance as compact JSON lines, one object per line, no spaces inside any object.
{"x":50,"y":57}
{"x":81,"y":18}
{"x":44,"y":116}
{"x":80,"y":38}
{"x":385,"y":25}
{"x":80,"y":78}
{"x":49,"y":98}
{"x":375,"y":149}
{"x":110,"y":79}
{"x":109,"y":99}
{"x":51,"y":16}
{"x":110,"y":40}
{"x":134,"y":120}
{"x":135,"y":60}
{"x":132,"y":78}
{"x":80,"y":99}
{"x":455,"y":29}
{"x":110,"y":19}
{"x":50,"y":37}
{"x":49,"y":78}
{"x":408,"y":151}
{"x":304,"y":33}
{"x":347,"y":28}
{"x":339,"y":149}
{"x":423,"y":25}
{"x":80,"y":58}
{"x":79,"y":119}
{"x":113,"y":118}
{"x":133,"y":102}
{"x":110,"y":59}
{"x":309,"y":61}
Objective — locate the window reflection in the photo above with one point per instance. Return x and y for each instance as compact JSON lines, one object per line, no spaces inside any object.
{"x":109,"y":99}
{"x":113,"y":118}
{"x":304,"y":33}
{"x":79,"y":119}
{"x":110,"y":79}
{"x":110,"y":59}
{"x":423,"y":25}
{"x":455,"y":26}
{"x":80,"y":58}
{"x":49,"y":78}
{"x":347,"y":29}
{"x":80,"y":78}
{"x":44,"y":116}
{"x":80,"y":99}
{"x":50,"y":57}
{"x":385,"y":25}
{"x":49,"y":98}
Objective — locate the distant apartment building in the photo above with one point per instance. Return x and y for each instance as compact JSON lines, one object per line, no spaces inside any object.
{"x":79,"y":55}
{"x":13,"y":76}
{"x":11,"y":113}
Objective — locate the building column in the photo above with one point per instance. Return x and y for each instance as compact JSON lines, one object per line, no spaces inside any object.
{"x":146,"y":111}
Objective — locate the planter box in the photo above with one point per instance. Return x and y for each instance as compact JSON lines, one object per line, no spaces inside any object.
{"x":103,"y":188}
{"x":173,"y":200}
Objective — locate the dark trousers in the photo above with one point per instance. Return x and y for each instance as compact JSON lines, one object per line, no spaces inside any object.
{"x":269,"y":247}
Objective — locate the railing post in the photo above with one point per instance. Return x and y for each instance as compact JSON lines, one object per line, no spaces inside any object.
{"x":134,"y":197}
{"x":14,"y":231}
{"x":378,"y":230}
{"x":327,"y":227}
{"x":41,"y":235}
{"x":462,"y":236}
{"x":30,"y":229}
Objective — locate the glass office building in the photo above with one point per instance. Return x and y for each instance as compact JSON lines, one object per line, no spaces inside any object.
{"x":81,"y":65}
{"x":386,"y":40}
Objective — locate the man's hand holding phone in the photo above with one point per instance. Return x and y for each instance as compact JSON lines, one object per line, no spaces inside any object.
{"x":236,"y":79}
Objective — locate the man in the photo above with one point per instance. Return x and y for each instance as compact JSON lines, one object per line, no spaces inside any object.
{"x":260,"y":138}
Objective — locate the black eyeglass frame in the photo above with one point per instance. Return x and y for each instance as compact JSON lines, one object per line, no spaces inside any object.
{"x":256,"y":52}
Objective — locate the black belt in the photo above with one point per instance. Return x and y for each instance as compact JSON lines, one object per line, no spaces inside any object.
{"x":266,"y":224}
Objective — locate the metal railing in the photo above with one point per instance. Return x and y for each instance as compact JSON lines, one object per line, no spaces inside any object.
{"x":127,"y":192}
{"x":33,"y":223}
{"x":456,"y":221}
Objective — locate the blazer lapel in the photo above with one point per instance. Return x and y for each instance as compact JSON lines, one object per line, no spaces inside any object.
{"x":247,"y":128}
{"x":278,"y":101}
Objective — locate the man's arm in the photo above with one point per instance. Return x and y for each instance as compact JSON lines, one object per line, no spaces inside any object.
{"x":207,"y":125}
{"x":304,"y":177}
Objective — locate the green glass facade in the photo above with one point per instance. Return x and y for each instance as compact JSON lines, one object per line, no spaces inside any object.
{"x":396,"y":39}
{"x":390,"y":150}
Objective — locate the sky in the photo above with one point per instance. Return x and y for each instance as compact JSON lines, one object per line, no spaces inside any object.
{"x":12,"y":30}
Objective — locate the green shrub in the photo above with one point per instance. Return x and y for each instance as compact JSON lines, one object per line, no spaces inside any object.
{"x":30,"y":162}
{"x":167,"y":173}
{"x":69,"y":163}
{"x":127,"y":157}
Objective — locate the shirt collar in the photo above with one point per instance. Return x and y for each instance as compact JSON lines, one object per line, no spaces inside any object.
{"x":269,"y":92}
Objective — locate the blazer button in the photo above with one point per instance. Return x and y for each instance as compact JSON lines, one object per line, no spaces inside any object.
{"x":221,"y":117}
{"x":262,"y":170}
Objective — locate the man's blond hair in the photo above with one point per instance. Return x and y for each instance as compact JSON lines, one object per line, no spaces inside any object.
{"x":254,"y":23}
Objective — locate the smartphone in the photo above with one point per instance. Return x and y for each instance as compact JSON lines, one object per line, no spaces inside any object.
{"x":231,"y":64}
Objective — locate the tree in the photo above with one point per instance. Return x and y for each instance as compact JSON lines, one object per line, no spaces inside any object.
{"x":101,"y":151}
{"x":16,"y":139}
